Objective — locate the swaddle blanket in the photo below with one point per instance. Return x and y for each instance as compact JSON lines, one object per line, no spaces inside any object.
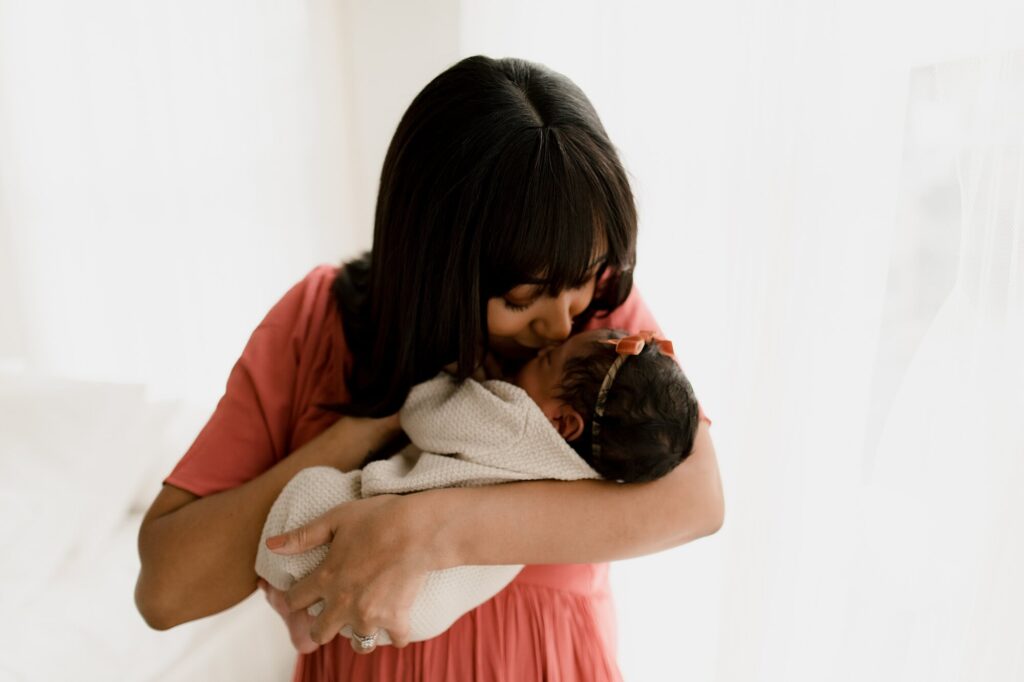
{"x":473,"y":434}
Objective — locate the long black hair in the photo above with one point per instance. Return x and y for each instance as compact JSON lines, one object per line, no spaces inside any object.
{"x":499,"y":173}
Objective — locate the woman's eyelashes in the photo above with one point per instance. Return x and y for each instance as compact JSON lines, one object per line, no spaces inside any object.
{"x":516,"y":307}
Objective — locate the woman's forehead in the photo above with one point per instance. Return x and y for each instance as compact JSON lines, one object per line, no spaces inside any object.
{"x":534,"y":283}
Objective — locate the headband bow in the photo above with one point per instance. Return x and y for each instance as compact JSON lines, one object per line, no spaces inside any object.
{"x":624,"y":347}
{"x":632,"y":345}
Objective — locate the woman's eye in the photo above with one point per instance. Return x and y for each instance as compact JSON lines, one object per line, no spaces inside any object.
{"x":515,"y":306}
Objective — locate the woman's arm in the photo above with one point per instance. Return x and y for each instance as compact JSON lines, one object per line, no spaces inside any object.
{"x":587,"y":521}
{"x":380,"y":555}
{"x":198,"y":554}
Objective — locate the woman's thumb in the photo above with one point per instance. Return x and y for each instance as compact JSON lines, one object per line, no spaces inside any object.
{"x":300,"y":539}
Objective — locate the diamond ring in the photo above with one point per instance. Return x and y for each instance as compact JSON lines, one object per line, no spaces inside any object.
{"x":365,"y":642}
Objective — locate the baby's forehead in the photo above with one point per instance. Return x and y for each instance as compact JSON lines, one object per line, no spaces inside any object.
{"x":582,"y":342}
{"x":594,"y":334}
{"x":597,"y":334}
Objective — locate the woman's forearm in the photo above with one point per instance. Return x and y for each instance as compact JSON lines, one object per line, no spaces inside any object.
{"x":589,"y":521}
{"x":199,"y":558}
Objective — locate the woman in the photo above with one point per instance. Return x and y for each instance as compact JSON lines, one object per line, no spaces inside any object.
{"x":504,"y":223}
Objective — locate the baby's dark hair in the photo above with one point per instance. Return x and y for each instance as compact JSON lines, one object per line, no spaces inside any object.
{"x":650,"y":415}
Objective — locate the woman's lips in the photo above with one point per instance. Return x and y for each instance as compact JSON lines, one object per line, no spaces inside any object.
{"x":509,"y":348}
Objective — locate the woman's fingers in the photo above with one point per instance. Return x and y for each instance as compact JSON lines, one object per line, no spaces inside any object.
{"x":380,"y":605}
{"x":399,"y":638}
{"x":304,"y":538}
{"x":274,"y":597}
{"x":306,"y":592}
{"x":297,"y":622}
{"x":372,"y":573}
{"x":325,"y":627}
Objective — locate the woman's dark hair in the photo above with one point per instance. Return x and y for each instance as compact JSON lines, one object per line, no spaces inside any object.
{"x":650,"y":417}
{"x":499,"y":173}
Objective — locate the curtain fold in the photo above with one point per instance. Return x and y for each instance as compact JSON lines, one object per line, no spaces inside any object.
{"x":936,"y":593}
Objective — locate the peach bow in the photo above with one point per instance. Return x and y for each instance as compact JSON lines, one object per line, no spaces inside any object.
{"x":633,"y":344}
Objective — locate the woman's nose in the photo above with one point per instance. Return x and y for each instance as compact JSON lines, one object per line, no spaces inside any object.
{"x":556,"y":329}
{"x":557,"y":323}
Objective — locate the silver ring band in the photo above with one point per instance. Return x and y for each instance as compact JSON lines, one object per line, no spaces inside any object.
{"x":365,"y":642}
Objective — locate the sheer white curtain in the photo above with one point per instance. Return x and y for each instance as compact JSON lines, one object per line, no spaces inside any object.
{"x":813,"y":178}
{"x":937,"y":589}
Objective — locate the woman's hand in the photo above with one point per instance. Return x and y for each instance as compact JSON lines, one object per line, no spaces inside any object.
{"x":298,"y":622}
{"x":378,"y":560}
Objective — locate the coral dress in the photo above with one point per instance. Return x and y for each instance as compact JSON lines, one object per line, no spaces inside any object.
{"x":553,"y":622}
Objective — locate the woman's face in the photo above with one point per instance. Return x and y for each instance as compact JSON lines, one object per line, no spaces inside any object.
{"x":527,"y":318}
{"x":542,"y":376}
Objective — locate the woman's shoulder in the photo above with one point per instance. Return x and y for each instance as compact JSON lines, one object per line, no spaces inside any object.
{"x":316,"y":316}
{"x":311,"y":297}
{"x":308,"y":308}
{"x":306,"y":316}
{"x":291,"y":359}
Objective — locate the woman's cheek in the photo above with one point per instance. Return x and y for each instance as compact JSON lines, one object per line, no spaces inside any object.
{"x":504,"y":322}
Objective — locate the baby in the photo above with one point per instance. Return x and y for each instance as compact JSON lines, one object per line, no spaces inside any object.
{"x":603,"y":404}
{"x":632,"y":419}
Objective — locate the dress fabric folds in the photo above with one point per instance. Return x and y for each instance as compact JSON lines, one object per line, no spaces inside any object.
{"x":555,"y":629}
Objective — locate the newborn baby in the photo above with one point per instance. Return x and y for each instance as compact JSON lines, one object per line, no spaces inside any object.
{"x":600,"y":405}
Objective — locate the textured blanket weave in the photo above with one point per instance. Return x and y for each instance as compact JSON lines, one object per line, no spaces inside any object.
{"x":476,"y":434}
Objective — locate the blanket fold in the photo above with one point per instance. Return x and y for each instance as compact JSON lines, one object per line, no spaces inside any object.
{"x":468,"y":434}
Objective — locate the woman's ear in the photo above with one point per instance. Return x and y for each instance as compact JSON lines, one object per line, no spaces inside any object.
{"x":568,"y":421}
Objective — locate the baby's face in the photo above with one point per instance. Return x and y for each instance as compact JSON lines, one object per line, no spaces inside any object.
{"x":542,"y":376}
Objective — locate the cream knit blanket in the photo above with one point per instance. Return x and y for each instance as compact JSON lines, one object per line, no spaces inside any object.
{"x":476,"y":434}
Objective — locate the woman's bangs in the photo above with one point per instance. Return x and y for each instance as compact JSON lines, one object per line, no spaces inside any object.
{"x":552,"y":210}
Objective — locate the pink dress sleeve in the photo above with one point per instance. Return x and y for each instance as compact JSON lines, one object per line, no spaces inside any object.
{"x":634,"y":315}
{"x":251,"y":427}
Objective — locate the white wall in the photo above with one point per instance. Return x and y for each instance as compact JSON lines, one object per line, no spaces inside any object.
{"x":169,"y":170}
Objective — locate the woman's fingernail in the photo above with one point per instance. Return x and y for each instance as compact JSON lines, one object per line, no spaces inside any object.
{"x":276,"y":542}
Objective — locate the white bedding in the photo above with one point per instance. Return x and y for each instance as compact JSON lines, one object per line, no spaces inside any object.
{"x":79,"y":464}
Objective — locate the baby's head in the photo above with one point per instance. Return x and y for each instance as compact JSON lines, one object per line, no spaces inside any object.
{"x":650,"y":413}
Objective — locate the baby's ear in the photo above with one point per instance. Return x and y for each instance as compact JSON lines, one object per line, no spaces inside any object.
{"x":568,"y":421}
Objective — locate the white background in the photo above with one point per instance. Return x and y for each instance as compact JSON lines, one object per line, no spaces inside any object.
{"x":808,"y":200}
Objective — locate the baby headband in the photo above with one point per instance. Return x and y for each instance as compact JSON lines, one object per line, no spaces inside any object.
{"x":626,"y":346}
